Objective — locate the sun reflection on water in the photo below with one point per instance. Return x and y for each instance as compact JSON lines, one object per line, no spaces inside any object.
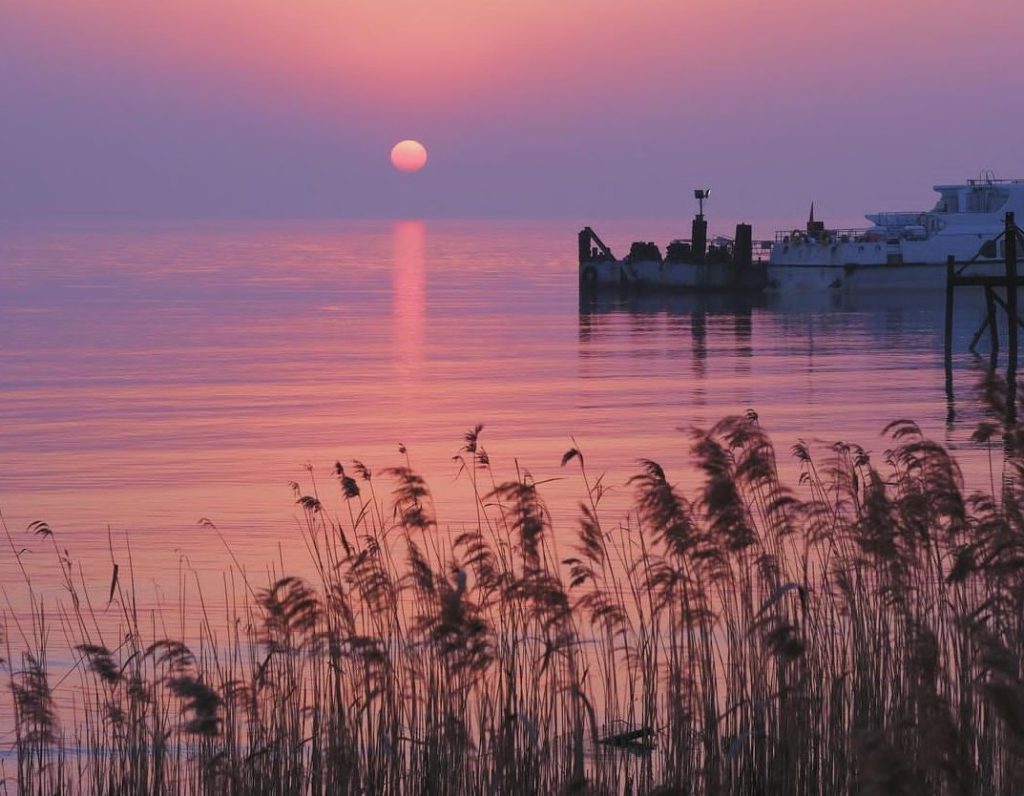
{"x":409,"y":294}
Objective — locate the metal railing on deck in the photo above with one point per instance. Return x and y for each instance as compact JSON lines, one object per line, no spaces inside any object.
{"x":829,"y":235}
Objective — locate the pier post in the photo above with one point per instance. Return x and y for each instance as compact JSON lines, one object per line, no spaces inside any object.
{"x":1010,"y":247}
{"x":950,"y":263}
{"x":1011,"y":279}
{"x":993,"y":327}
{"x":948,"y":358}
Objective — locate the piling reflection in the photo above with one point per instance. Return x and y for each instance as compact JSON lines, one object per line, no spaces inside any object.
{"x":762,"y":337}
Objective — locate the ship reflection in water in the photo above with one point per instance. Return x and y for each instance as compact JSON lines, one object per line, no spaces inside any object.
{"x":799,"y":343}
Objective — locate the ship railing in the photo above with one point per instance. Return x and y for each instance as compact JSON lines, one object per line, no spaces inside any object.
{"x":762,"y":250}
{"x":900,"y":218}
{"x":833,"y":235}
{"x":982,"y":181}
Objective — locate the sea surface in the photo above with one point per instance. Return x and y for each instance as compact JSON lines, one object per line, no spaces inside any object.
{"x":152,"y":376}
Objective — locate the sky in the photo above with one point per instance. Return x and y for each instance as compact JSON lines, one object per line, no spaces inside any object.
{"x":529,"y":108}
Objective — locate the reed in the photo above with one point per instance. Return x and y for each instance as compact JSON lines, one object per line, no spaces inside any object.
{"x":859,"y":633}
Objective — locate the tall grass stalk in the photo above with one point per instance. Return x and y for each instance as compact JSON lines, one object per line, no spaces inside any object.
{"x":861,"y":632}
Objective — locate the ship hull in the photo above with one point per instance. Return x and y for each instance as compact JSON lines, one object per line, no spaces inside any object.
{"x":880,"y":276}
{"x":696,"y":277}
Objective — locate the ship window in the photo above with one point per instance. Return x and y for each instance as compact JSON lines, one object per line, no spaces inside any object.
{"x":949,"y":202}
{"x":986,"y":200}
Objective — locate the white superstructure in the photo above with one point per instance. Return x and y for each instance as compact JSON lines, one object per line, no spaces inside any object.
{"x":902,"y":249}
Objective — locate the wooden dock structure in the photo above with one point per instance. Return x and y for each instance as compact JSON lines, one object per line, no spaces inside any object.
{"x":1009,"y":281}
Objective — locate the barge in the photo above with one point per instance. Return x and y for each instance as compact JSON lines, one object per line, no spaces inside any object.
{"x":692,"y":264}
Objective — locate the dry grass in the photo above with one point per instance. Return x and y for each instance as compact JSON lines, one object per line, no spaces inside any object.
{"x":861,"y":633}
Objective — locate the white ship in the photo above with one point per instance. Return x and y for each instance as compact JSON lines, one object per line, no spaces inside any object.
{"x":902,"y":249}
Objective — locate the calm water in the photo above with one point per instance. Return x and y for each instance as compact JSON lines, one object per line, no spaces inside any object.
{"x":153,"y":376}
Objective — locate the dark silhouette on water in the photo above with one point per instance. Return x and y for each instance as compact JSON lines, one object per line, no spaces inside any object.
{"x":693,"y":264}
{"x":1012,"y":239}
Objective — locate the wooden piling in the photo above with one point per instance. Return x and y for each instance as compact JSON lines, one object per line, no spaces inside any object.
{"x":948,"y":348}
{"x":993,"y":327}
{"x":950,"y":277}
{"x":1010,"y":249}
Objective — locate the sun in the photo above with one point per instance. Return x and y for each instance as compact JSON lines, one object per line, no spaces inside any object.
{"x":408,"y":155}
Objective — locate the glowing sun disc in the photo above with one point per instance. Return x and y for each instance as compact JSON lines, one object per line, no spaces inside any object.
{"x":408,"y":155}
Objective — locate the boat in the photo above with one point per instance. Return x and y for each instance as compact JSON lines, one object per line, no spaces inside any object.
{"x":901,"y":250}
{"x":694,"y":264}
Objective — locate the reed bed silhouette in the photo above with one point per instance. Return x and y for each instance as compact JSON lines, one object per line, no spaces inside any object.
{"x":860,"y":632}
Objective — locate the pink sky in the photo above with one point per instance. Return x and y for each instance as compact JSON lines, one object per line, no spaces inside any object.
{"x":289,"y":108}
